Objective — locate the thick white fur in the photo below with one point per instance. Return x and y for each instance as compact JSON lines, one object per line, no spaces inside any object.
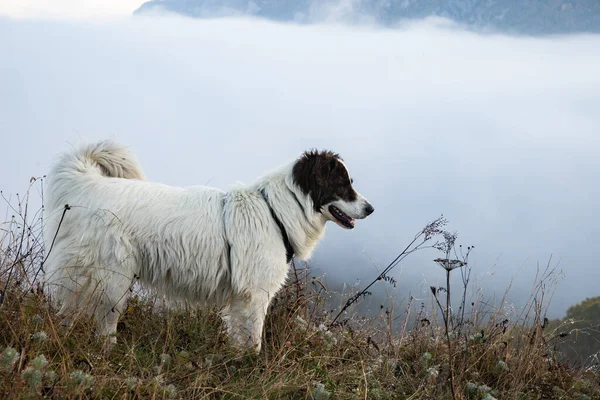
{"x":199,"y":244}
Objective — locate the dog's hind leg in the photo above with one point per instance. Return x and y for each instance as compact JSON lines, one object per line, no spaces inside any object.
{"x":115,"y":283}
{"x":107,"y":328}
{"x":93,"y":275}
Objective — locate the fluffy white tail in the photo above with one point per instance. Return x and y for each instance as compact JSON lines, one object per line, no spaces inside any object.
{"x":102,"y":159}
{"x":106,"y":158}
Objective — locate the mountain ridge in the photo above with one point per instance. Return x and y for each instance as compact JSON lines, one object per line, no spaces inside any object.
{"x":535,"y":17}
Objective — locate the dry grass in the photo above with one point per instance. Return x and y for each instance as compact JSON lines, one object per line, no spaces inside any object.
{"x":183,"y":353}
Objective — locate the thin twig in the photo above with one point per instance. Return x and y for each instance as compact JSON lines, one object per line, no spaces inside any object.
{"x":62,"y":217}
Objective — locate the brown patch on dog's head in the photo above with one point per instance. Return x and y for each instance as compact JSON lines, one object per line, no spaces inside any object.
{"x":322,"y":176}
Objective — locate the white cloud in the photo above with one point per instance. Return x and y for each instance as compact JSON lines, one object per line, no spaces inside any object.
{"x":498,"y":133}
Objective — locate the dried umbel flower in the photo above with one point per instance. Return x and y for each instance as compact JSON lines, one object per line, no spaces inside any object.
{"x":8,"y":358}
{"x":448,"y":264}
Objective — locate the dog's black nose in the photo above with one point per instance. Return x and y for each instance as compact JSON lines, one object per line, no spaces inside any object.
{"x":369,"y":209}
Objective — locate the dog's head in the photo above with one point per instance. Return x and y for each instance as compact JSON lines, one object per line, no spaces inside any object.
{"x":323,"y":176}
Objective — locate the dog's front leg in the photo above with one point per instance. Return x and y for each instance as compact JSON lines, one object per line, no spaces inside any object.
{"x":245,"y":318}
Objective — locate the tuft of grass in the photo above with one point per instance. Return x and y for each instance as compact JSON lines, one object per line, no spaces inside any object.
{"x":475,"y":352}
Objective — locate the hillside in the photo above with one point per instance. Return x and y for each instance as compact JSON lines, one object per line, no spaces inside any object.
{"x":478,"y":352}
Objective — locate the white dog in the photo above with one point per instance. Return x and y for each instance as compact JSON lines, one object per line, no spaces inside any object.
{"x":108,"y":227}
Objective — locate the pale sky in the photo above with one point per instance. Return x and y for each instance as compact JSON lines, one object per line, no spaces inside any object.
{"x":68,"y":9}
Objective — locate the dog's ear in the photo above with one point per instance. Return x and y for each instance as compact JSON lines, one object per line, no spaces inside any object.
{"x":333,"y":163}
{"x":326,"y":164}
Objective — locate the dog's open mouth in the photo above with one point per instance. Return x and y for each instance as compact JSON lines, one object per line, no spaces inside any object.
{"x":341,"y":218}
